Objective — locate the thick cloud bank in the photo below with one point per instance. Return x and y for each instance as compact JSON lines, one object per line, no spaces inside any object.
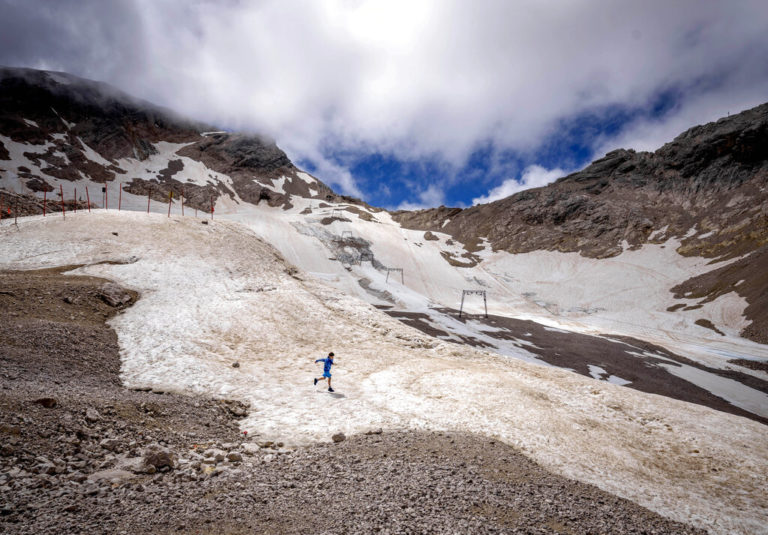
{"x":427,"y":79}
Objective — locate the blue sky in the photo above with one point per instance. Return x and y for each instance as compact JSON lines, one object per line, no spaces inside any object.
{"x":390,"y":181}
{"x":386,"y":180}
{"x":417,"y":103}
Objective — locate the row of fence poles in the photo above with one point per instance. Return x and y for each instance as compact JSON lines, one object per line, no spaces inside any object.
{"x":105,"y":199}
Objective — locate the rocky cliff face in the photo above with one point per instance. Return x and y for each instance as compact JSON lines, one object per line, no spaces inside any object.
{"x":58,"y":127}
{"x":708,"y":187}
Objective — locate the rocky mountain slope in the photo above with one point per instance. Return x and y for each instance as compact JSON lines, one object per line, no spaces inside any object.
{"x":58,"y":127}
{"x":708,"y":188}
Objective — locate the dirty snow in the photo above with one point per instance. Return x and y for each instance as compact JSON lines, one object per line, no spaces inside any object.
{"x":215,"y":294}
{"x":92,"y":155}
{"x":601,"y":375}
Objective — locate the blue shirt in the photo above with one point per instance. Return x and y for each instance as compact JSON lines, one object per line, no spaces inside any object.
{"x":328,"y":364}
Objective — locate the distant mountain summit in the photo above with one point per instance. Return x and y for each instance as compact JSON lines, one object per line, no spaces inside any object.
{"x":708,"y":187}
{"x":66,"y":128}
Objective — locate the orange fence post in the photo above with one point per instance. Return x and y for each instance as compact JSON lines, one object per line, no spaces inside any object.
{"x":211,"y":206}
{"x":75,"y":199}
{"x":88,"y":197}
{"x":170,"y":200}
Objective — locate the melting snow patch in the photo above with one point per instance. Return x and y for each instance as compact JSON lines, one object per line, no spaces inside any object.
{"x":600,"y":374}
{"x":31,"y":123}
{"x":93,"y":155}
{"x":200,"y":310}
{"x":618,"y":380}
{"x":66,"y":123}
{"x":658,"y":233}
{"x":596,"y":371}
{"x":556,"y":330}
{"x":279,"y":184}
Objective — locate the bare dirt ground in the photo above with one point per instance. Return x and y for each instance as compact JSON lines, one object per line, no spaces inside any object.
{"x":79,"y":453}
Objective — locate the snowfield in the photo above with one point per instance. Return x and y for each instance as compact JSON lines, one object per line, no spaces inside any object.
{"x":216,"y":294}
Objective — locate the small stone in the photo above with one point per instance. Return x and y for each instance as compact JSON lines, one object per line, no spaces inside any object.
{"x":235,"y":364}
{"x":234,"y":457}
{"x":48,"y":403}
{"x":114,"y":295}
{"x":114,"y":476}
{"x":92,"y":415}
{"x":111,"y":444}
{"x":47,"y":468}
{"x":159,"y":458}
{"x":339,"y":437}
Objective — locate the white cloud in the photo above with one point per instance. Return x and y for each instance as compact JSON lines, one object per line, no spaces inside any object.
{"x":421,"y":79}
{"x":432,"y":196}
{"x":646,"y":134}
{"x":533,"y":176}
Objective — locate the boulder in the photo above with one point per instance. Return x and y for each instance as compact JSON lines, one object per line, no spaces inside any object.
{"x":160,"y":458}
{"x":114,"y":295}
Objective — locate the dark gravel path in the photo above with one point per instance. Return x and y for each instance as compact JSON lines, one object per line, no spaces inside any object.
{"x":81,"y":454}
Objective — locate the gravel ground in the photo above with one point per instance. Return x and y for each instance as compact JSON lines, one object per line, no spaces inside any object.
{"x":79,"y":453}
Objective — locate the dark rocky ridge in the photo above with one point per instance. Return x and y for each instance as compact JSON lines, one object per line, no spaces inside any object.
{"x":713,"y":177}
{"x":116,"y":126}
